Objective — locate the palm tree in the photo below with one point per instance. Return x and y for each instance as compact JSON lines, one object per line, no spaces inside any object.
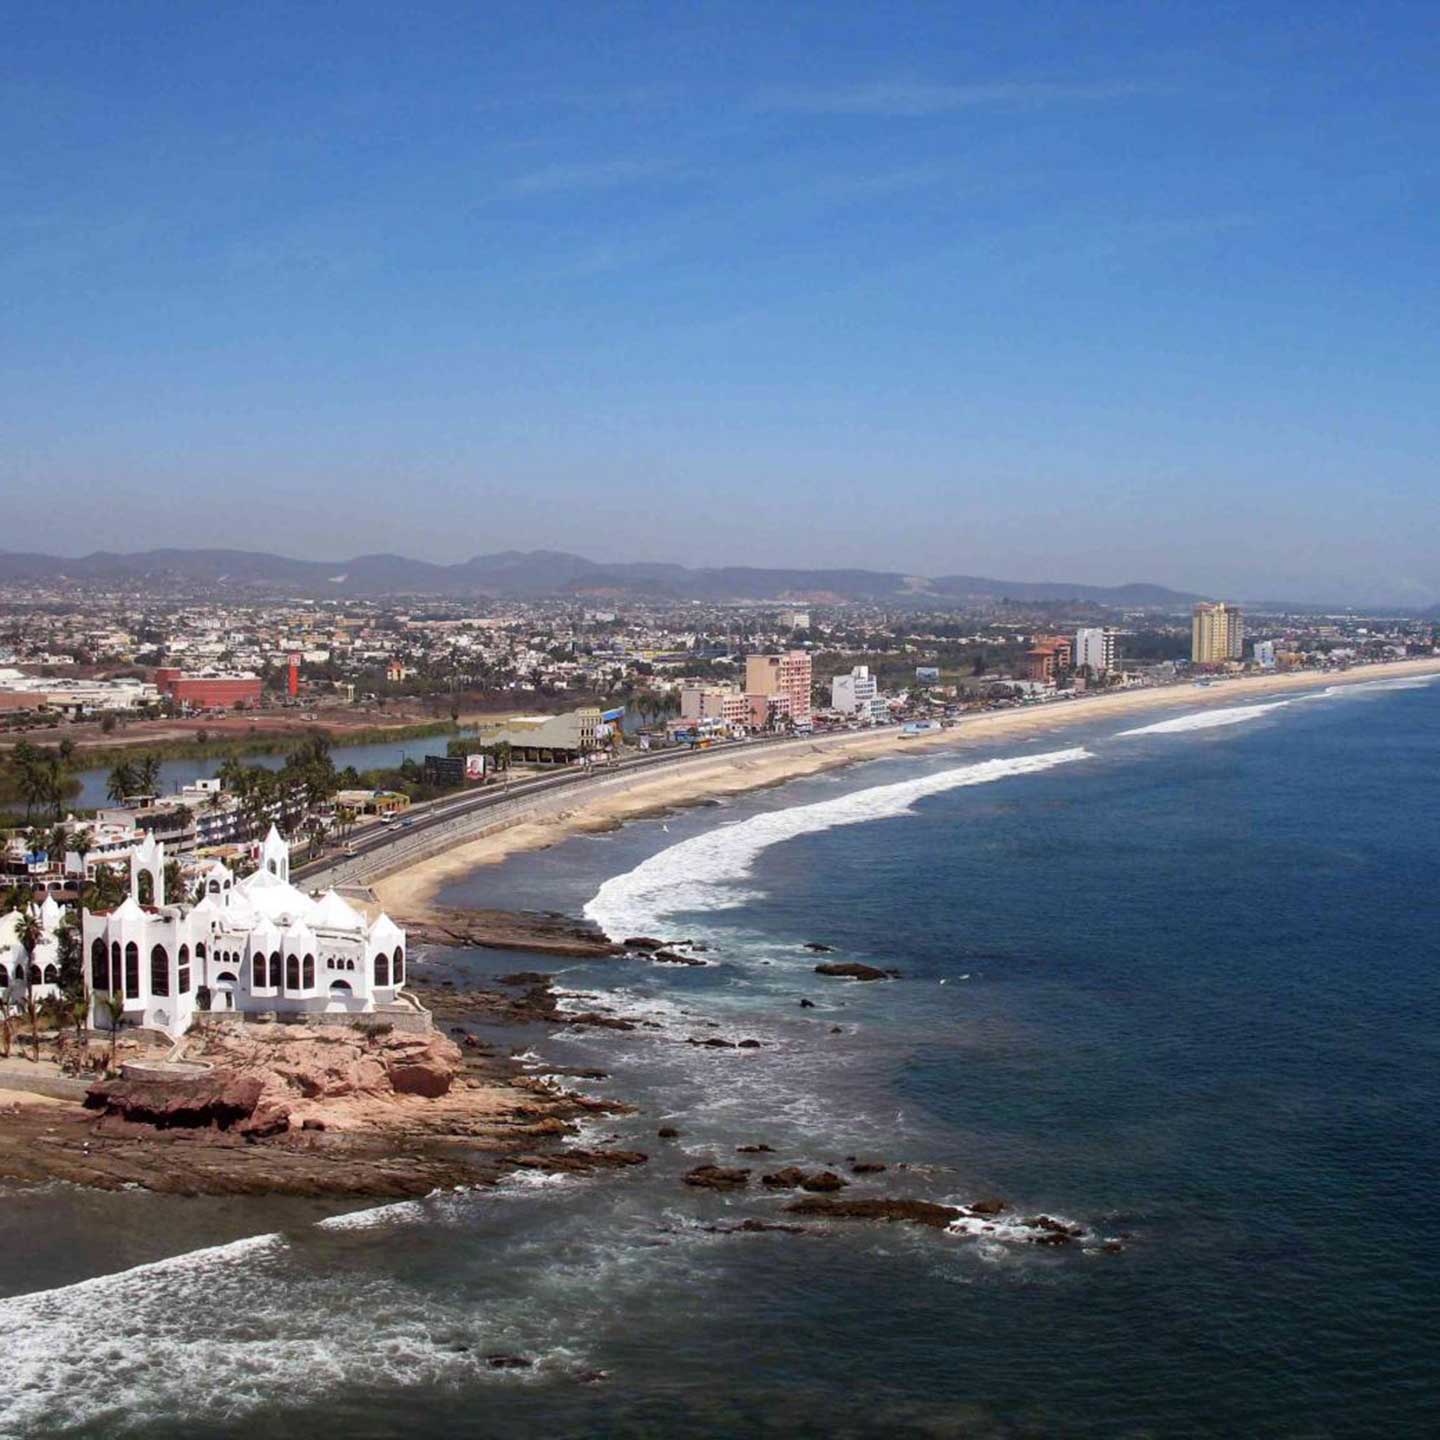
{"x":113,"y":1005}
{"x":7,"y":1012}
{"x":81,"y":844}
{"x":30,"y":932}
{"x":122,"y":782}
{"x":148,"y":773}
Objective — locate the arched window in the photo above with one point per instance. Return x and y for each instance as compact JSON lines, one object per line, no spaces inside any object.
{"x":257,"y":969}
{"x":99,"y":967}
{"x":309,"y":980}
{"x":51,"y":974}
{"x":399,"y":966}
{"x":183,"y":960}
{"x":292,"y":972}
{"x":4,"y":977}
{"x":145,"y":888}
{"x":132,"y":970}
{"x":115,"y":964}
{"x":35,"y":976}
{"x":272,"y":868}
{"x":159,"y":971}
{"x":199,"y":949}
{"x":274,"y":969}
{"x":349,"y":964}
{"x":214,"y":887}
{"x":382,"y":971}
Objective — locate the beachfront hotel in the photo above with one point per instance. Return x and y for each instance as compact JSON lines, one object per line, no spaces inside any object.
{"x":257,"y":945}
{"x":784,"y":677}
{"x":1217,"y":633}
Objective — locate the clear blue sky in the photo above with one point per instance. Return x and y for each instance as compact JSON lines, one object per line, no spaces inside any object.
{"x":1081,"y":290}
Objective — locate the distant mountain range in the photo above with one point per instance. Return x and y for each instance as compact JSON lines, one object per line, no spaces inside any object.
{"x":518,"y":574}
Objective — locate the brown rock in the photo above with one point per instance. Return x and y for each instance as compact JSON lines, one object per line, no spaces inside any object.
{"x":793,"y":1178}
{"x":754,"y":1150}
{"x":716,"y":1177}
{"x":867,"y":1167}
{"x":915,"y":1212}
{"x":991,"y":1205}
{"x":853,"y":970}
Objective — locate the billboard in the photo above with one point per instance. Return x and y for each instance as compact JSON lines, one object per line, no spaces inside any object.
{"x":475,"y":767}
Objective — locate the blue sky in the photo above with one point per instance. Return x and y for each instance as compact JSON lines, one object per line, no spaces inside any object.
{"x":1071,"y":290}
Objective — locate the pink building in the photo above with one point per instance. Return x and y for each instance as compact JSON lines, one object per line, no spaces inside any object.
{"x":785,"y":677}
{"x":714,"y":702}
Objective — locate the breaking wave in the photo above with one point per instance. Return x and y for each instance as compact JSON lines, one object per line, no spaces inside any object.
{"x":1206,"y":719}
{"x":704,"y":872}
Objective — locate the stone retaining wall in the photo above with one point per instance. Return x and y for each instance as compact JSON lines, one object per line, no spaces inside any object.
{"x":57,"y":1087}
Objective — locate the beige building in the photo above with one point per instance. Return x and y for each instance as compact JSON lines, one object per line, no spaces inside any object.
{"x":549,"y":739}
{"x":1217,"y":633}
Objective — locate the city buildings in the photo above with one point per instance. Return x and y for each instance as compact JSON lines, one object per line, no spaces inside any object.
{"x":714,"y":702}
{"x":852,"y":694}
{"x":1217,"y":633}
{"x":549,"y":739}
{"x":207,"y":689}
{"x":1095,"y":646}
{"x":1049,"y":657}
{"x":785,"y":677}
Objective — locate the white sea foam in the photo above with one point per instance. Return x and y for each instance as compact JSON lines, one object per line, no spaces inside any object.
{"x":1207,"y":719}
{"x":217,"y":1333}
{"x":706,"y":871}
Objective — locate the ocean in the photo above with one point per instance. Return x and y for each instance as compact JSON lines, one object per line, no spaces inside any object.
{"x":1173,"y":983}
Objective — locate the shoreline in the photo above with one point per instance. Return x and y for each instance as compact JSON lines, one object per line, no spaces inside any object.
{"x":413,"y":890}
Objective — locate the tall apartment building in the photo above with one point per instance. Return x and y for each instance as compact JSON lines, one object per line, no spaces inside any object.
{"x":1095,"y":647}
{"x":784,"y":676}
{"x":1217,"y":633}
{"x":852,"y":694}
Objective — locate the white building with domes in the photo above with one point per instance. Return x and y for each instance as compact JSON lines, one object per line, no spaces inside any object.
{"x":256,"y":945}
{"x":20,"y":972}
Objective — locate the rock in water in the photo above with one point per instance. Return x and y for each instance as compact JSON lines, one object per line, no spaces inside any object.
{"x":853,"y":970}
{"x":916,"y":1212}
{"x":716,"y":1177}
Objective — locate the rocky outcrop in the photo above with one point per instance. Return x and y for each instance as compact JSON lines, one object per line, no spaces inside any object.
{"x":914,"y":1212}
{"x":263,"y":1078}
{"x":716,"y":1177}
{"x":542,"y":934}
{"x":793,"y":1178}
{"x":219,"y":1101}
{"x":853,"y":970}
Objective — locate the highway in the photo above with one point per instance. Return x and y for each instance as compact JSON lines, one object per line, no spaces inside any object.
{"x":432,"y":826}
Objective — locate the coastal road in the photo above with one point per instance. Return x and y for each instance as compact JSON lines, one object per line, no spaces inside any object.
{"x":433,"y":826}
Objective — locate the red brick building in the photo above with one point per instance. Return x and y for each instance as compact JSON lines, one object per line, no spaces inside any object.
{"x":207,"y":689}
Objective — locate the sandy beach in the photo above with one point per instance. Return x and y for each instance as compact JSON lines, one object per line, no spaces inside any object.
{"x":407,"y":892}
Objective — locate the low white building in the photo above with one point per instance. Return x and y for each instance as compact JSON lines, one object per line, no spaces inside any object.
{"x":256,"y":945}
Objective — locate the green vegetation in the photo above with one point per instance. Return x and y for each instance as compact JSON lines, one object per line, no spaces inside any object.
{"x":257,"y":742}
